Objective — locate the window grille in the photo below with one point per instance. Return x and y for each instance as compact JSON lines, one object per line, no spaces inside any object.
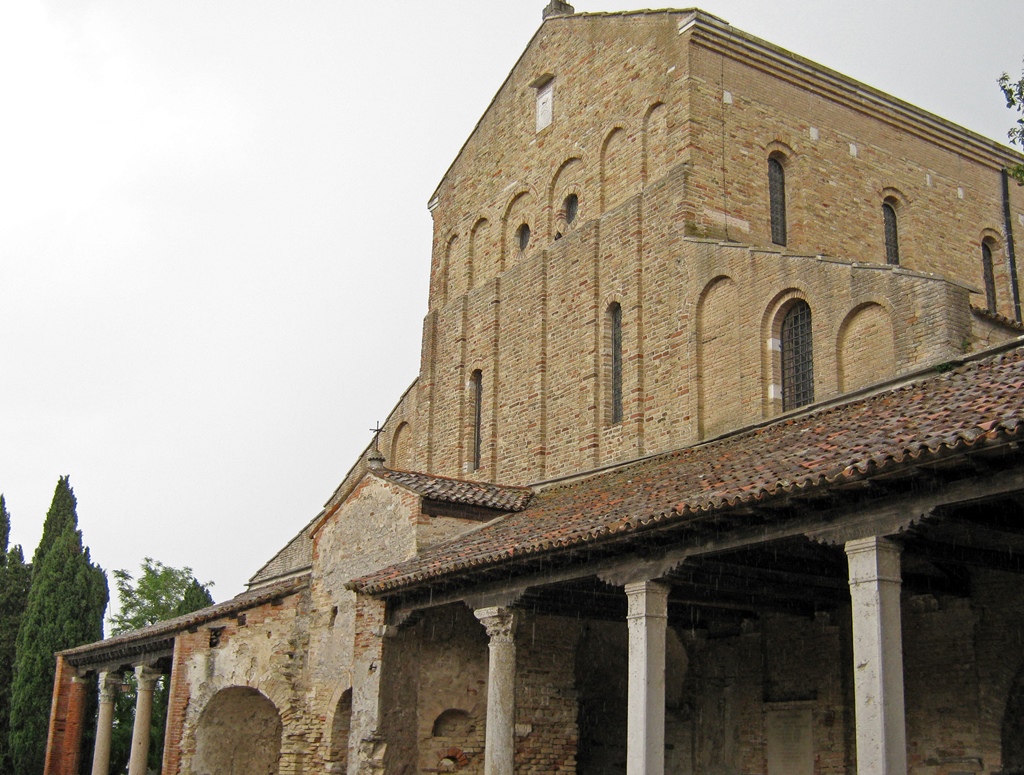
{"x":478,"y":406}
{"x":892,"y":238}
{"x":572,"y":207}
{"x":989,"y":273}
{"x":615,"y":323}
{"x":523,"y":236}
{"x":777,"y":200}
{"x":797,"y":357}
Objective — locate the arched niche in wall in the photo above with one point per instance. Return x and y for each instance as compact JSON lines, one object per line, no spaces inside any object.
{"x":401,"y":443}
{"x":719,"y":386}
{"x":340,"y":725}
{"x":866,"y":348}
{"x":620,"y":169}
{"x":481,"y":253}
{"x":239,"y":730}
{"x":656,"y":144}
{"x":454,"y":275}
{"x":520,"y":236}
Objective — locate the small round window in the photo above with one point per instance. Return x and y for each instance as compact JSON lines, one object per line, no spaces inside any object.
{"x":523,"y":236}
{"x":571,"y":206}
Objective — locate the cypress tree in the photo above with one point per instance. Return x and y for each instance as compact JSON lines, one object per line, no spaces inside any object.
{"x":14,"y":580}
{"x":66,"y":601}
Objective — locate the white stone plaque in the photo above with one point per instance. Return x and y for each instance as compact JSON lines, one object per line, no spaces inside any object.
{"x":545,"y":104}
{"x":790,"y":749}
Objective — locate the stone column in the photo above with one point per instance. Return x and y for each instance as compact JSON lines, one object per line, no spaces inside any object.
{"x":109,"y":684}
{"x":877,"y":656}
{"x":647,"y":619}
{"x":145,"y":678}
{"x":499,"y":750}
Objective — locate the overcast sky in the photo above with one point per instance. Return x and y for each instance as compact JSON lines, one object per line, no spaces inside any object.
{"x":214,"y":241}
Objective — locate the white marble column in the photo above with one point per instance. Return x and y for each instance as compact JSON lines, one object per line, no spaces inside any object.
{"x":145,"y":679}
{"x":877,"y":656}
{"x":499,"y":751}
{"x":109,"y":683}
{"x":647,"y":618}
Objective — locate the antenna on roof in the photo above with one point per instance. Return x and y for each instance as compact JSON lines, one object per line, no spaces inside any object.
{"x":375,"y":459}
{"x":558,"y":8}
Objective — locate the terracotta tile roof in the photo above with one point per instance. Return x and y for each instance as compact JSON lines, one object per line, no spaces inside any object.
{"x":168,"y":628}
{"x":995,"y":317}
{"x":980,"y":401}
{"x":440,"y":488}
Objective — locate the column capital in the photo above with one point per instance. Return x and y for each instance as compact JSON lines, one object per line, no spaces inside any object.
{"x":872,"y":559}
{"x":110,"y":684}
{"x":499,"y":622}
{"x":146,"y":676}
{"x":647,"y":599}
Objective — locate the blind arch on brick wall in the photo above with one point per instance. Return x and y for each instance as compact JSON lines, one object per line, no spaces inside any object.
{"x":400,"y":447}
{"x":568,"y":180}
{"x":620,"y":169}
{"x":866,"y":347}
{"x":719,"y":382}
{"x":480,"y":264}
{"x":341,"y":722}
{"x":656,"y":163}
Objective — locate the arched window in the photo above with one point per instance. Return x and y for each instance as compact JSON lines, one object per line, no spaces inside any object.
{"x":777,"y":199}
{"x":797,"y":357}
{"x":477,"y":396}
{"x":988,"y":270}
{"x":615,"y":381}
{"x":892,"y":236}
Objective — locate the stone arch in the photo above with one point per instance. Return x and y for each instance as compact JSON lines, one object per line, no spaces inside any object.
{"x":865,"y":347}
{"x":400,"y":447}
{"x":567,"y":181}
{"x":341,"y":722}
{"x":620,"y":175}
{"x":1012,"y":732}
{"x":519,"y":214}
{"x":239,"y":731}
{"x":657,"y":161}
{"x":481,"y":263}
{"x":719,"y":390}
{"x":894,"y":222}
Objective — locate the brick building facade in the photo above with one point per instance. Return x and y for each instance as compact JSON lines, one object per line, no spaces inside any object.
{"x":711,"y":465}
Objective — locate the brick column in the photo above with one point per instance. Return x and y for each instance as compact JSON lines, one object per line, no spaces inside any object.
{"x":109,"y":684}
{"x":499,"y":743}
{"x":67,"y":716}
{"x":145,"y":678}
{"x":877,"y":656}
{"x":647,"y":619}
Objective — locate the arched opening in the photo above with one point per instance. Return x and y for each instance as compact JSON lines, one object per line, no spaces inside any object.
{"x":476,"y":392}
{"x":777,"y":198}
{"x":797,"y":356}
{"x":988,"y":247}
{"x":239,"y":733}
{"x":614,"y":316}
{"x":892,"y":235}
{"x":340,"y":725}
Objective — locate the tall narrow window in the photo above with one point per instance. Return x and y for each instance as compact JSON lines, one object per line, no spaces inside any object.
{"x":988,"y":270}
{"x":615,"y":329}
{"x":477,"y":392}
{"x":777,"y":199}
{"x":797,"y":357}
{"x":892,"y":236}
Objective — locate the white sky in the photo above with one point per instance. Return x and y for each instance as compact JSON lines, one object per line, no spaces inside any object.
{"x":214,"y":241}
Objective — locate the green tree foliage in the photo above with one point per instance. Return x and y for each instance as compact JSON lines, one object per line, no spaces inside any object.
{"x":66,"y":600}
{"x":14,"y":581}
{"x":1013,"y":91}
{"x":160,"y":592}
